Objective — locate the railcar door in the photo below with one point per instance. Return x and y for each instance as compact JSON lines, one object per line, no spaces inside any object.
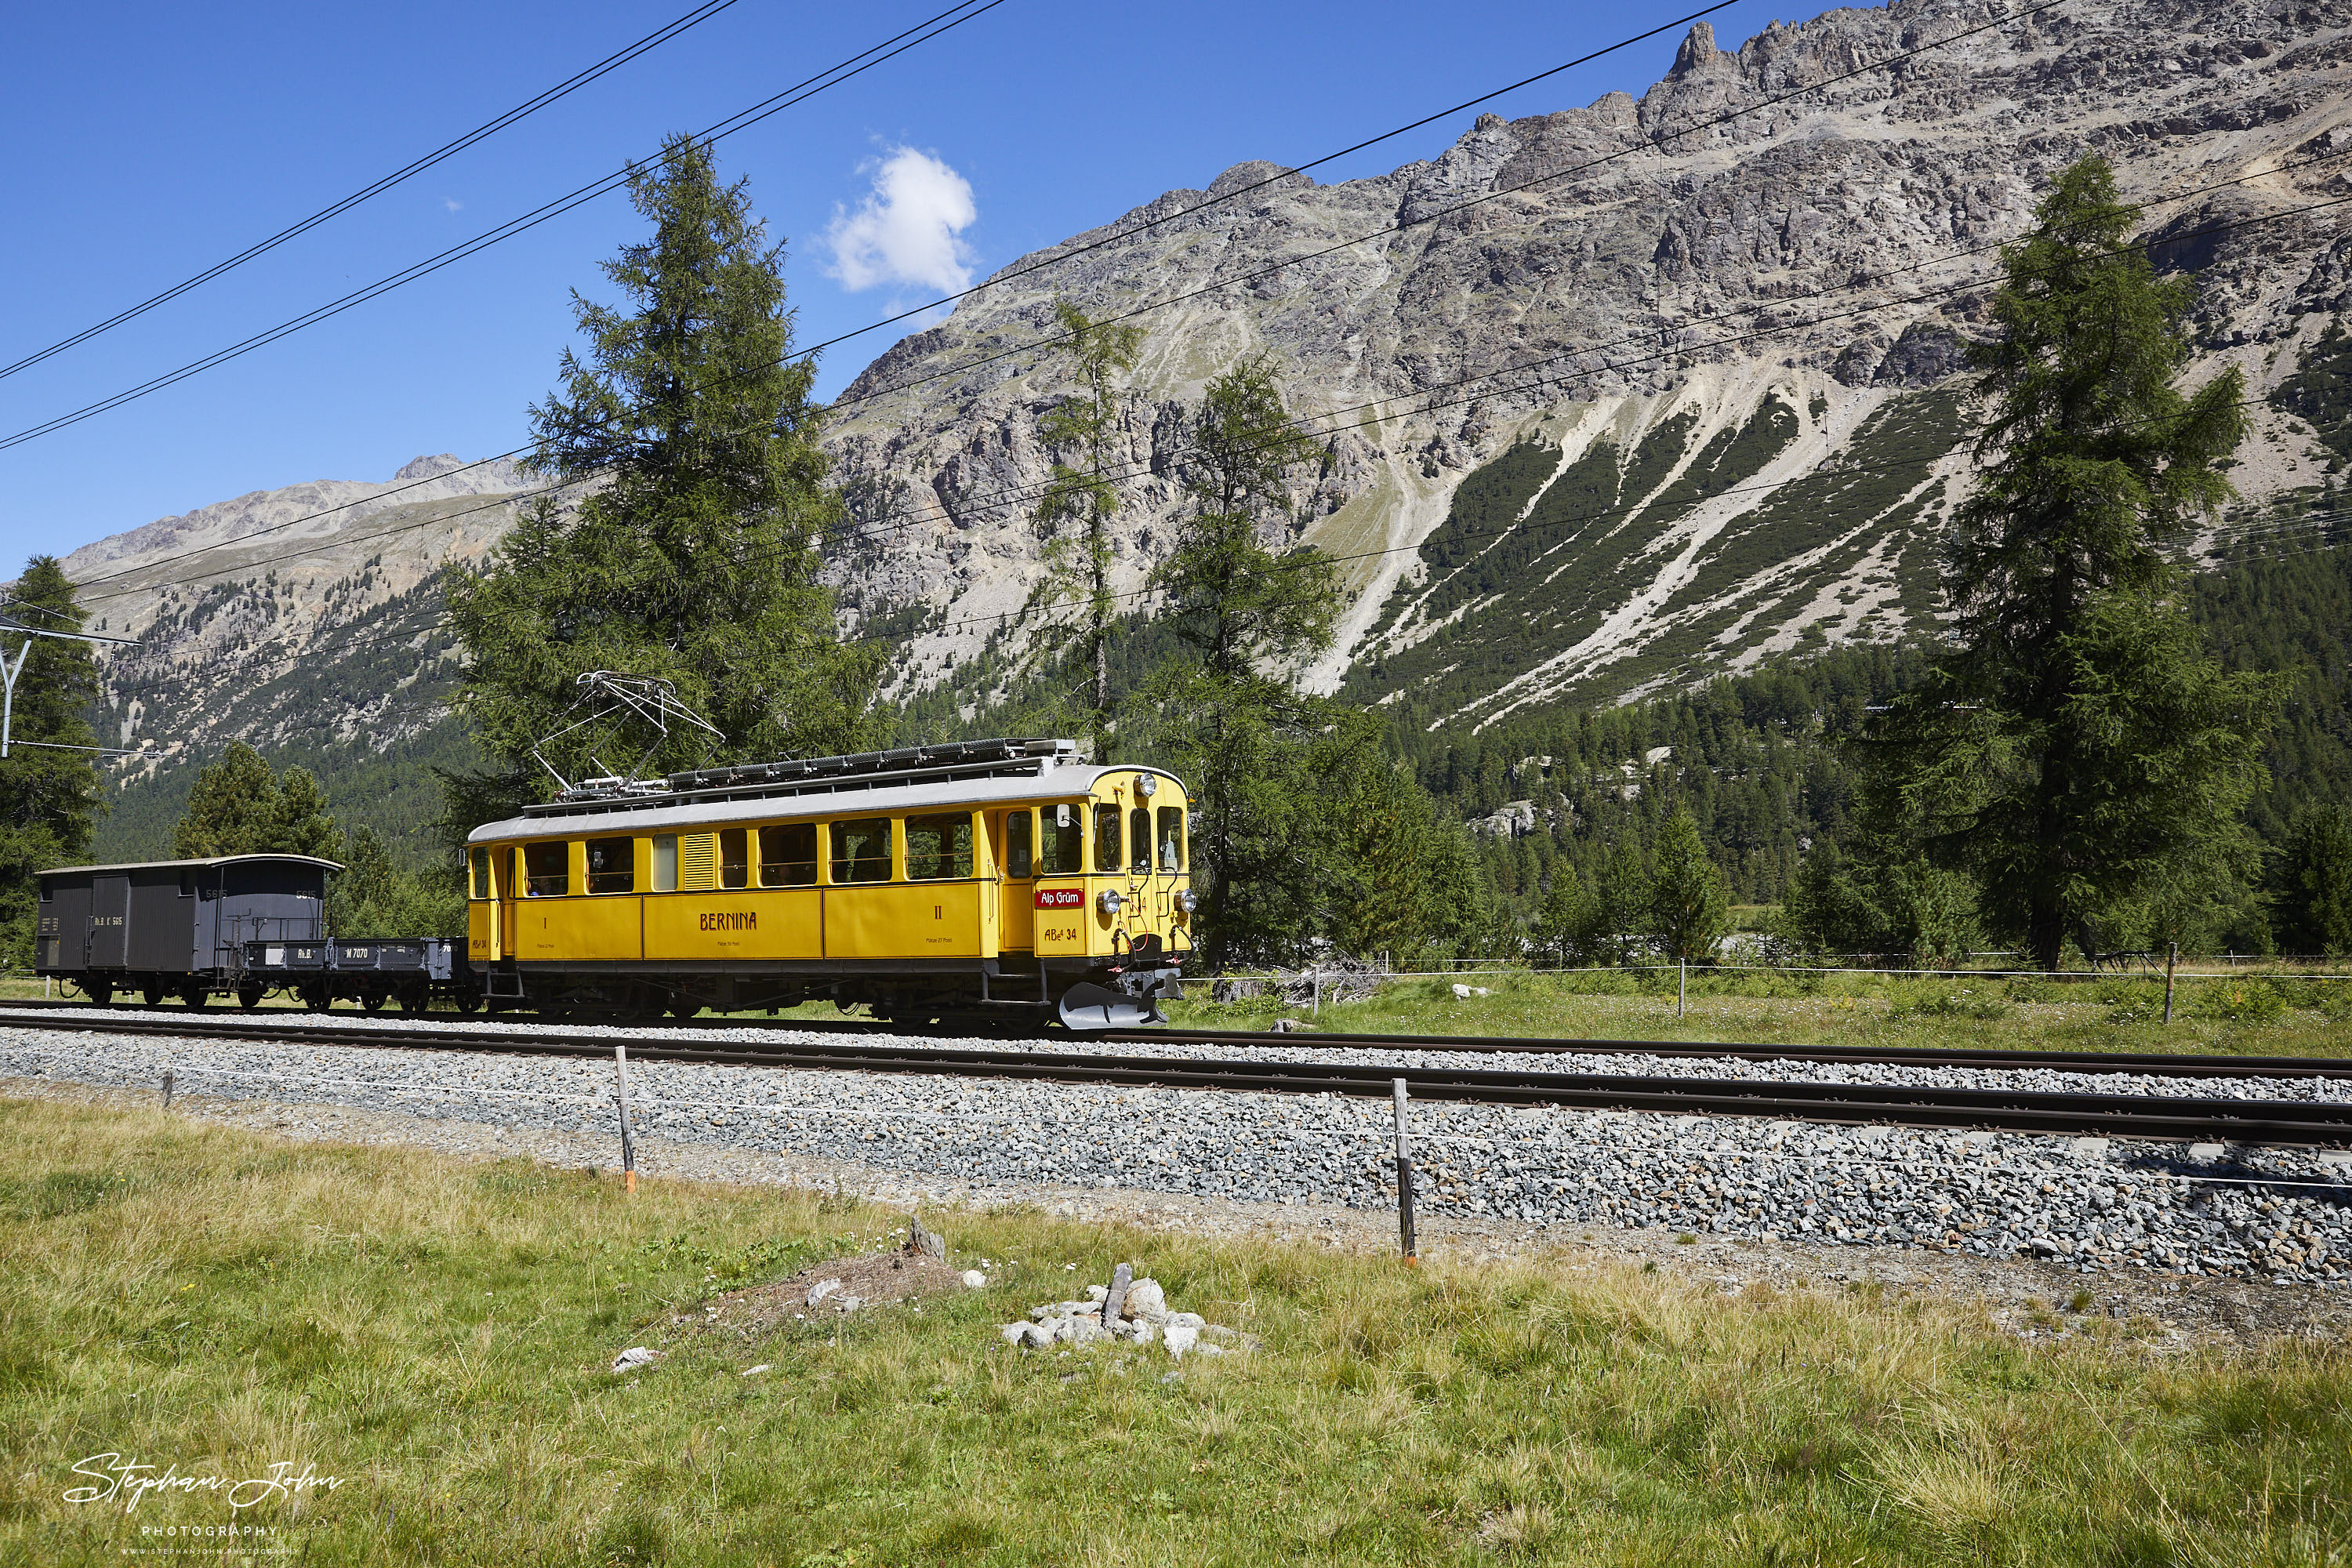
{"x":110,"y":921}
{"x":1013,"y":837}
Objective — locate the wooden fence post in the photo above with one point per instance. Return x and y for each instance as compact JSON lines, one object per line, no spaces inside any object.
{"x":628,"y":1144}
{"x":2170,"y":958}
{"x":1404,"y":1180}
{"x":1682,"y":986}
{"x":167,"y":1089}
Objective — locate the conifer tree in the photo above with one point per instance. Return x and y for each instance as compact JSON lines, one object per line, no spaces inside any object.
{"x":1262,"y":757}
{"x":693,"y":555}
{"x":2076,"y":743}
{"x":1689,"y":904}
{"x":1622,"y":897}
{"x":232,"y":807}
{"x":50,"y":798}
{"x":1232,"y":597}
{"x":1566,"y":925}
{"x":237,"y":806}
{"x":1078,"y":570}
{"x":300,"y":823}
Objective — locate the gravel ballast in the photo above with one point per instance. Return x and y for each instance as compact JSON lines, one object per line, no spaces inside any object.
{"x":2086,"y":1203}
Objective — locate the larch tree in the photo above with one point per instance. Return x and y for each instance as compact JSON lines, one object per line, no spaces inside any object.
{"x":2075,"y":745}
{"x":1230,"y":716}
{"x":1240,"y":602}
{"x":688,"y":435}
{"x":1078,"y":567}
{"x":51,"y":796}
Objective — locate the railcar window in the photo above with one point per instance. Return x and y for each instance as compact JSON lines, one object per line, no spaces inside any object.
{"x":1106,"y":836}
{"x":1138,"y":838}
{"x":787,"y":855}
{"x":861,"y":850}
{"x":481,"y":865}
{"x":546,"y":869}
{"x":1172,"y":838}
{"x":1017,"y":858}
{"x":666,"y":863}
{"x":734,"y":858}
{"x":612,"y":865}
{"x":1065,"y":842}
{"x":939,"y":846}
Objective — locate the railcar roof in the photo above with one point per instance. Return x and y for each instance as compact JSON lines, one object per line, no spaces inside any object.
{"x":184,"y":865}
{"x":590,"y":818}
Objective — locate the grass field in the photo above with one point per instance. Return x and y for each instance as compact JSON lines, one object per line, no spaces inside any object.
{"x":436,"y":1336}
{"x":2217,"y":1014}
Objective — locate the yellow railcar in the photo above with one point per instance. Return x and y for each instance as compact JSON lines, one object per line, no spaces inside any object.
{"x":1002,"y":876}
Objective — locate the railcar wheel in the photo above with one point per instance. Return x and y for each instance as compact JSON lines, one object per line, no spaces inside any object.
{"x":249,"y":997}
{"x":196,"y":995}
{"x":469,"y":1002}
{"x":372,"y":1001}
{"x":99,"y":992}
{"x":153,"y":994}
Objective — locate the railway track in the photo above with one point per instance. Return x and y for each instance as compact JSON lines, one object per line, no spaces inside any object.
{"x":2185,"y":1118}
{"x":2122,"y":1063}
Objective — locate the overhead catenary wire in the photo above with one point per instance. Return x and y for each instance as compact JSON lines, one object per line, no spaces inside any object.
{"x":964,"y":10}
{"x":1125,"y":597}
{"x":1678,"y":350}
{"x":1758,"y":306}
{"x":1639,"y":148}
{"x":1405,"y":224}
{"x":1126,"y":234}
{"x":446,"y":151}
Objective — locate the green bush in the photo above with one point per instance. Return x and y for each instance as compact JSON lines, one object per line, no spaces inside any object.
{"x":1930,"y":999}
{"x":2239,"y":1002}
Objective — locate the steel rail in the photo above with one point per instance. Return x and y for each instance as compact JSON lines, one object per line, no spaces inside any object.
{"x":2116,"y":1062}
{"x":2192,"y":1119}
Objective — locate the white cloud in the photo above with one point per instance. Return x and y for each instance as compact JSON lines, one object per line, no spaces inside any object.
{"x":907,"y":229}
{"x":452,"y":203}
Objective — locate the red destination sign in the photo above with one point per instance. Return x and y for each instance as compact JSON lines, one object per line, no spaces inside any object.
{"x":1060,"y":898}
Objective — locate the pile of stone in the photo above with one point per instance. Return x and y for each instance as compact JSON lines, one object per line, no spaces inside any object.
{"x":1329,"y":981}
{"x":1127,"y":1311}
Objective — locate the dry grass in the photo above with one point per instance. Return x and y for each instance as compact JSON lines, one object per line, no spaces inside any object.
{"x":436,"y":1334}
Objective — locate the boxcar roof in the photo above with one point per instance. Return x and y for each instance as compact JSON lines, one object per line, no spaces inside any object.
{"x":182,"y":864}
{"x":639,"y":815}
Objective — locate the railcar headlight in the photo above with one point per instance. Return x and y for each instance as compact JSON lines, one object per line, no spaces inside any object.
{"x":1186,"y":901}
{"x":1146,"y":786}
{"x":1109,"y":902}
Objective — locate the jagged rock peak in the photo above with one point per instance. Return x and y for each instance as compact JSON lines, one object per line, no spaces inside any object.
{"x":433,"y":468}
{"x":1254,"y":172}
{"x":1699,"y":53}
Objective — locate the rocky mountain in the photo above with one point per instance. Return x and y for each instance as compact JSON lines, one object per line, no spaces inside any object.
{"x":1641,"y":391}
{"x":304,"y":620}
{"x":1610,"y":399}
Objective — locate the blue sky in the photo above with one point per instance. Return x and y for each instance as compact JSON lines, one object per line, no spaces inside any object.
{"x":150,"y":142}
